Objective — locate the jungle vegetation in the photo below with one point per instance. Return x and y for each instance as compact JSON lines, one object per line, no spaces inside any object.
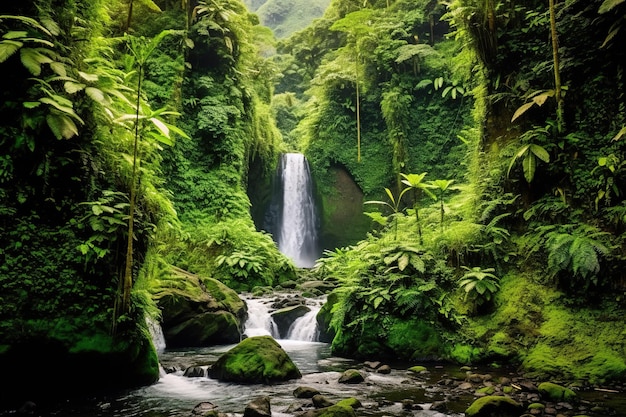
{"x":485,"y":136}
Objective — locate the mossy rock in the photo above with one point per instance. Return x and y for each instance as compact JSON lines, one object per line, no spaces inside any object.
{"x":324,"y":317}
{"x":351,"y":376}
{"x":418,"y":369}
{"x":286,"y":316}
{"x":486,"y":390}
{"x":258,"y":359}
{"x":332,"y":411}
{"x":494,"y":405}
{"x":556,"y":392}
{"x":350,"y":402}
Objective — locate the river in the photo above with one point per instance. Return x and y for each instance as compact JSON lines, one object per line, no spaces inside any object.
{"x":380,"y":394}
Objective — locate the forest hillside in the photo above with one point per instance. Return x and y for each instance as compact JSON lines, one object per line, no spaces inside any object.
{"x":483,"y":144}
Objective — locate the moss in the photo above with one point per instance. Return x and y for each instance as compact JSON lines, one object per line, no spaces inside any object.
{"x":486,"y":406}
{"x":414,"y":339}
{"x":579,"y":345}
{"x":464,"y":354}
{"x":258,"y":359}
{"x":532,"y":325}
{"x":417,"y":369}
{"x":349,"y":402}
{"x":486,"y":390}
{"x":556,"y":392}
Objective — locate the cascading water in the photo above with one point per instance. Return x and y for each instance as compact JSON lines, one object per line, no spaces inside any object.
{"x":292,"y":218}
{"x":261,"y":323}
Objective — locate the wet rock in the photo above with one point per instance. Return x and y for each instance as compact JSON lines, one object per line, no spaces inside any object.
{"x":441,"y":406}
{"x":492,"y":406}
{"x":258,"y":359}
{"x":205,"y":409}
{"x":319,"y":401}
{"x":417,"y":369}
{"x":350,"y":402}
{"x":372,"y":364}
{"x":285,"y":317}
{"x":332,"y":411}
{"x":465,"y":386}
{"x":351,"y":376}
{"x":555,"y":392}
{"x":194,"y":372}
{"x":259,"y":407}
{"x":305,"y":392}
{"x":324,"y":317}
{"x":384,"y":369}
{"x":213,"y":314}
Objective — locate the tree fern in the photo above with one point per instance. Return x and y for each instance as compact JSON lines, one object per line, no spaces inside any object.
{"x":578,"y":252}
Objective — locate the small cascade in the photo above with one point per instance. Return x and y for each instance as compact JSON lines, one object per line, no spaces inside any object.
{"x":292,"y":218}
{"x":259,"y":322}
{"x":157,"y":334}
{"x":304,"y":328}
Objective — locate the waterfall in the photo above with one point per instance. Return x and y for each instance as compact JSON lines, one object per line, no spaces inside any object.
{"x":304,"y":328}
{"x":259,"y":322}
{"x":156,"y":333}
{"x":293,"y":216}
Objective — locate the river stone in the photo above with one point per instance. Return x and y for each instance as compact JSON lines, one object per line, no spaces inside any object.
{"x":319,"y":401}
{"x":257,"y":359}
{"x":556,"y":392}
{"x":285,"y":317}
{"x":205,"y":409}
{"x":259,"y":407}
{"x":494,"y":406}
{"x":351,"y":376}
{"x":332,"y":411}
{"x":305,"y":392}
{"x":350,"y":402}
{"x":194,"y":372}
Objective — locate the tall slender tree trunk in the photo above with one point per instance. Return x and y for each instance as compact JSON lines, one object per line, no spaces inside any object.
{"x":358,"y":107}
{"x":128,"y":271}
{"x":129,"y":18}
{"x":557,"y":73}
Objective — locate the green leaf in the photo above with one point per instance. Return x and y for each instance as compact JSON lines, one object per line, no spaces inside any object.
{"x":540,"y":152}
{"x":8,"y":48}
{"x":609,"y":5}
{"x":62,"y":126}
{"x":15,"y":34}
{"x":96,"y":95}
{"x":73,"y":87}
{"x":529,"y":164}
{"x":32,"y":59}
{"x":521,"y":110}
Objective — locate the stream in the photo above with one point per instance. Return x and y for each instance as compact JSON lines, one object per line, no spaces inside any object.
{"x":380,"y":394}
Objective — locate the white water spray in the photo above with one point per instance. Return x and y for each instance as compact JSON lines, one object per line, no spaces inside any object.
{"x":297,"y":235}
{"x":259,"y":322}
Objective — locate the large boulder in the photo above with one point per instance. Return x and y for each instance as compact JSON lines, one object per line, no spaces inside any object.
{"x":200,"y":312}
{"x":285,"y":317}
{"x":257,"y":359}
